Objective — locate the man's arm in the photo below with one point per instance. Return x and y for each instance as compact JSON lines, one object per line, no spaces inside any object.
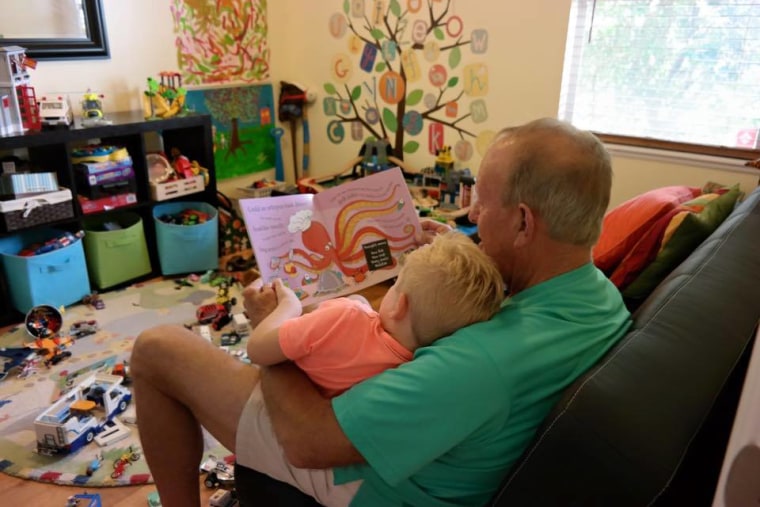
{"x":304,"y":421}
{"x":264,"y":344}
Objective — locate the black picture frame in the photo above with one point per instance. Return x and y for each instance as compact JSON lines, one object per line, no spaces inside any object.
{"x":95,"y":45}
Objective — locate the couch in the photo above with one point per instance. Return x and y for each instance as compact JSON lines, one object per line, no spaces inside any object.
{"x":649,"y":424}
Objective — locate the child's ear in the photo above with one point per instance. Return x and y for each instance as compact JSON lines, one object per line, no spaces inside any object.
{"x":400,"y":307}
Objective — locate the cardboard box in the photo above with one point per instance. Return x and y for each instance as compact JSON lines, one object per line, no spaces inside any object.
{"x":16,"y":185}
{"x":105,"y":203}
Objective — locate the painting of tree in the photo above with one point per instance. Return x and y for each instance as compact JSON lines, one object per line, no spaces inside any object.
{"x":408,"y":67}
{"x":221,"y":42}
{"x":242,"y":120}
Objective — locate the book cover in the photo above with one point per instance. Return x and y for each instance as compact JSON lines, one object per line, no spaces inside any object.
{"x":335,"y":242}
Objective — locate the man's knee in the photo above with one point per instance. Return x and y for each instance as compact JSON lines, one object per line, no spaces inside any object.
{"x":150,"y":348}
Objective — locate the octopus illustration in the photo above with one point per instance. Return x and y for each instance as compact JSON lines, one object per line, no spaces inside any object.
{"x":344,"y":249}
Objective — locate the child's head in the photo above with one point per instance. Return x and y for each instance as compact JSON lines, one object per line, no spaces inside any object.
{"x":449,"y":283}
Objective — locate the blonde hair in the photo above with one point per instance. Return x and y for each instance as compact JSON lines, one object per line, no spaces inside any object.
{"x":450,"y":283}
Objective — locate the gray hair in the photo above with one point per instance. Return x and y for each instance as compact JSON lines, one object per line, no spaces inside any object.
{"x":564,"y":175}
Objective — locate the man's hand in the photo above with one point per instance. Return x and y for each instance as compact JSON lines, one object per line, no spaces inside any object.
{"x":430,"y":229}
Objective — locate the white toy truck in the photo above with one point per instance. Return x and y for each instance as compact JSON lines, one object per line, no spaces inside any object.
{"x":73,"y":421}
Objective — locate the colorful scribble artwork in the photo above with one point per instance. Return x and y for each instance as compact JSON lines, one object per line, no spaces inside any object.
{"x":242,"y":120}
{"x":221,"y":42}
{"x":335,"y":242}
{"x":409,"y":73}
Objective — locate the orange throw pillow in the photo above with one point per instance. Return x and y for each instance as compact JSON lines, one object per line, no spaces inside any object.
{"x":624,"y":226}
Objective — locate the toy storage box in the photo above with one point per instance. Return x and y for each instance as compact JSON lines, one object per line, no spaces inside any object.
{"x":40,"y":209}
{"x":57,"y":278}
{"x":187,"y":248}
{"x":118,"y":255}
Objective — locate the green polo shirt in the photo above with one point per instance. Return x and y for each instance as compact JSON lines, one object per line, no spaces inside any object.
{"x":445,"y":428}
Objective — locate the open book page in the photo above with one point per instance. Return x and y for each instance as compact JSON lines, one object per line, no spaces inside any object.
{"x":335,"y":242}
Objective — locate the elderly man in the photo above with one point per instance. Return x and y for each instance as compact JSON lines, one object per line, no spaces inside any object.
{"x":444,"y":428}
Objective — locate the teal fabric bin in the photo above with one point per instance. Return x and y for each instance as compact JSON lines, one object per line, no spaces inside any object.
{"x":57,"y":278}
{"x":187,"y":248}
{"x":115,"y":256}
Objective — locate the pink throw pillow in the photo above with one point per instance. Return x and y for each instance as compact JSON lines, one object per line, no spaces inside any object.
{"x":624,"y":226}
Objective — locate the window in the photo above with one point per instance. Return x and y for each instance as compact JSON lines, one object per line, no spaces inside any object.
{"x":683,"y":72}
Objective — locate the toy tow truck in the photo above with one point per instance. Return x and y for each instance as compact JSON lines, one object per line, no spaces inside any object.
{"x":73,"y":421}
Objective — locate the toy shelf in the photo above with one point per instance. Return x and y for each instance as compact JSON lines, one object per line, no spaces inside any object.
{"x":50,"y":151}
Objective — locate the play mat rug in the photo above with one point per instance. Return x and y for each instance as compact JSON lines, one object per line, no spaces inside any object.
{"x":23,"y":398}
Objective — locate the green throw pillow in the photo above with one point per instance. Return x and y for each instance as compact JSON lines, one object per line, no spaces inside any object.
{"x":694,"y":229}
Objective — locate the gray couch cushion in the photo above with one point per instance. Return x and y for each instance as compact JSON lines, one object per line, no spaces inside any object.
{"x":620,"y":432}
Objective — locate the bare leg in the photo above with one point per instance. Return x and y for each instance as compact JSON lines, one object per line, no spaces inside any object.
{"x":181,"y":382}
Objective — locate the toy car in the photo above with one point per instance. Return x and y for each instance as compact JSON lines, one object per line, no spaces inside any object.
{"x":82,"y":328}
{"x":215,"y":314}
{"x":223,"y":498}
{"x":218,"y":473}
{"x":55,"y":112}
{"x":228,"y":339}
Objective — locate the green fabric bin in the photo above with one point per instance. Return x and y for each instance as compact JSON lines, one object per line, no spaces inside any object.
{"x":115,"y":255}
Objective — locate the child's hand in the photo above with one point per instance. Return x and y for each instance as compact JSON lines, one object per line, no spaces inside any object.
{"x":259,"y":301}
{"x":430,"y":229}
{"x":287,"y":301}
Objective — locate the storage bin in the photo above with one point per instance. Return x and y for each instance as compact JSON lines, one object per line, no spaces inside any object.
{"x":57,"y":278}
{"x":115,"y":255}
{"x":36,"y":210}
{"x":186,"y":248}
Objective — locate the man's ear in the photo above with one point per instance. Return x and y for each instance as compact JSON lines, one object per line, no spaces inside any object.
{"x":527,"y":228}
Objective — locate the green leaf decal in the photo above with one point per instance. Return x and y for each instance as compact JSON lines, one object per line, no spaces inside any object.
{"x":356,"y":93}
{"x":346,"y":7}
{"x":453,"y":82}
{"x":438,"y":34}
{"x":414,"y":98}
{"x":389,"y":119}
{"x":377,"y":34}
{"x":380,"y":67}
{"x":395,"y":8}
{"x":411,"y":147}
{"x":330,"y":89}
{"x":455,"y":57}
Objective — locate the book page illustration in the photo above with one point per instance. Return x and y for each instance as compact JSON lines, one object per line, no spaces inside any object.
{"x":336,"y":242}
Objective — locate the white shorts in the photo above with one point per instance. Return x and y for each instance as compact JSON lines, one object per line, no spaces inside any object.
{"x":257,"y":448}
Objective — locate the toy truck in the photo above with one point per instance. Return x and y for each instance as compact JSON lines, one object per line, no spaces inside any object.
{"x":73,"y":421}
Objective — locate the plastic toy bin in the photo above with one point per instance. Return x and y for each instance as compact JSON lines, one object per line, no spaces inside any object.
{"x":187,"y":248}
{"x":56,"y":278}
{"x":115,"y":249}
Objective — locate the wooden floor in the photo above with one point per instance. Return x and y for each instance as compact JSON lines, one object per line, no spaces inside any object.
{"x":22,"y":493}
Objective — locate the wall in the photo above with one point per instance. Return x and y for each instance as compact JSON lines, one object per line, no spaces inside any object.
{"x":526,"y":49}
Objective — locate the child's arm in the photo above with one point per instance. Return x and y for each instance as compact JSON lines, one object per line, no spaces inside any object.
{"x":263,"y":344}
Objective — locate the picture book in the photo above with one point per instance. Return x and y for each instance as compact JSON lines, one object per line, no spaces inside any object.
{"x":337,"y":241}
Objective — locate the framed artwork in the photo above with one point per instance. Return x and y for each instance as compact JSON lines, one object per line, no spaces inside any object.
{"x":242,"y":121}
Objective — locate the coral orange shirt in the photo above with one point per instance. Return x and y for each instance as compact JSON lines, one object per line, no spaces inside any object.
{"x":340,"y":343}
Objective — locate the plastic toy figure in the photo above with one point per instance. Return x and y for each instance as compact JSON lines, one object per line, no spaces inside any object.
{"x":94,"y":465}
{"x":218,"y":473}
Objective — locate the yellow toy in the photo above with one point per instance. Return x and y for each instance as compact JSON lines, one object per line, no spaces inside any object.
{"x":166,"y":98}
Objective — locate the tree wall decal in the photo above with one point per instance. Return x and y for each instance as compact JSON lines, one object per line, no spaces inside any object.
{"x":406,"y":68}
